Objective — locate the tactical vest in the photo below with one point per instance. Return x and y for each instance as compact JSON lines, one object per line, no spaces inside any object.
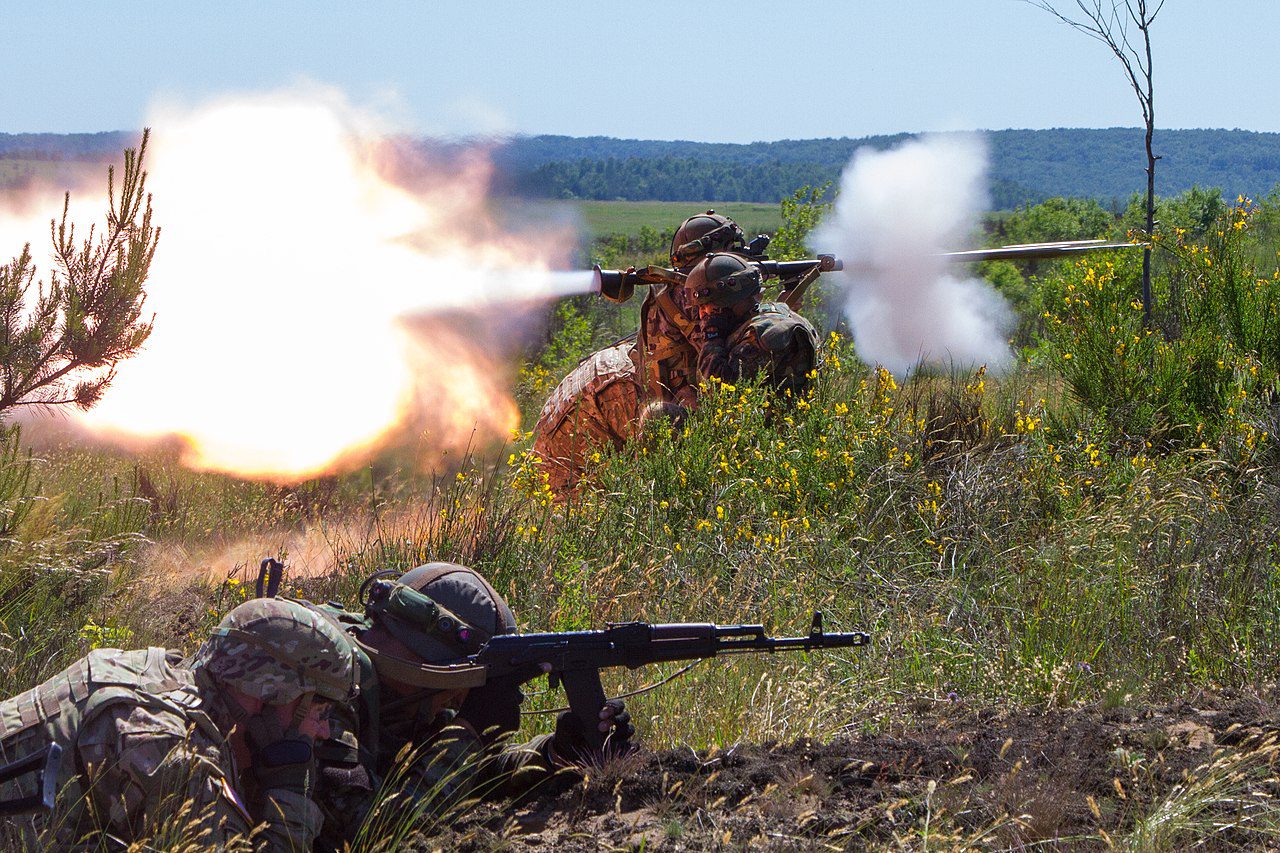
{"x":54,"y":712}
{"x":665,"y":355}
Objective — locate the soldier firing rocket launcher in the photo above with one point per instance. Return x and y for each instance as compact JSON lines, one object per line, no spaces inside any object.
{"x":795,"y":277}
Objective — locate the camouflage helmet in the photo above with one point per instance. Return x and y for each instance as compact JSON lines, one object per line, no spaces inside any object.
{"x":442,"y":612}
{"x":706,"y":232}
{"x":779,"y":341}
{"x":724,"y":280}
{"x":277,"y":650}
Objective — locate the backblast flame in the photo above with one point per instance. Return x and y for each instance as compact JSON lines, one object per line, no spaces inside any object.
{"x":290,"y":285}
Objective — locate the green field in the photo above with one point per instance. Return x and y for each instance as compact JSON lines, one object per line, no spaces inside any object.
{"x":599,"y":218}
{"x":628,"y":217}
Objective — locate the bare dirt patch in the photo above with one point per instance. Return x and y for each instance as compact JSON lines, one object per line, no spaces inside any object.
{"x":989,"y":777}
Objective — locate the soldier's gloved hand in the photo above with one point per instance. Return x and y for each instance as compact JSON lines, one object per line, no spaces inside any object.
{"x":282,"y":759}
{"x":569,"y":744}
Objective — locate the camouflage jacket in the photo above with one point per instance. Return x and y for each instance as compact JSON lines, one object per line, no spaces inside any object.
{"x":596,"y":406}
{"x":774,"y":340}
{"x":139,"y":748}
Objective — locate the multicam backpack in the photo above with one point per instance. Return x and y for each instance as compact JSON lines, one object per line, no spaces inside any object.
{"x":779,"y":341}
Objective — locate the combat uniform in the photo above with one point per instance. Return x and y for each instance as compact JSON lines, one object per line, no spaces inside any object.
{"x":432,"y":764}
{"x":671,"y":337}
{"x":433,"y":759}
{"x":137,"y":743}
{"x":777,"y":341}
{"x":145,"y":741}
{"x":667,"y":346}
{"x":595,"y":407}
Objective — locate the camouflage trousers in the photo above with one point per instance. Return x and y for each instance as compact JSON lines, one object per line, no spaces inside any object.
{"x":596,"y":407}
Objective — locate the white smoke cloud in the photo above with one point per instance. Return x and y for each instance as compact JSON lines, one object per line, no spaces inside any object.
{"x":897,"y":211}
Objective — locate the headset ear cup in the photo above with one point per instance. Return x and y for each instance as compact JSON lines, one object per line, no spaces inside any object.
{"x":282,"y":759}
{"x":288,"y":751}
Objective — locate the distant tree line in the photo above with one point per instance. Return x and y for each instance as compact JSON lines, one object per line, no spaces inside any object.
{"x":66,"y":146}
{"x":669,"y":179}
{"x":1027,"y":166}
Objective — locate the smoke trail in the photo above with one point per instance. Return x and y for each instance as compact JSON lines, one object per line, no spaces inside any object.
{"x":896,"y":212}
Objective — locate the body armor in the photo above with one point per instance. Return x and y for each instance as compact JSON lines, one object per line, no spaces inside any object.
{"x":596,"y":406}
{"x":139,"y":718}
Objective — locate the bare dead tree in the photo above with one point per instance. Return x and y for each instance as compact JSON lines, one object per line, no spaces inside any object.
{"x":1112,"y":22}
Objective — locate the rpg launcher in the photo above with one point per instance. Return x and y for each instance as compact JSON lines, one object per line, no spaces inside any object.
{"x":574,"y":659}
{"x":794,"y":277}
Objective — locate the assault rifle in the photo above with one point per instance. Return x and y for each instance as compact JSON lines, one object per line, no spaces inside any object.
{"x":574,"y":659}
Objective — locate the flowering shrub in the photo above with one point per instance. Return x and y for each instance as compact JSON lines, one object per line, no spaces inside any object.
{"x":1196,"y":378}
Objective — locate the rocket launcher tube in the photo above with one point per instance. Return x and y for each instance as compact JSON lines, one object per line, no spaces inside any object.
{"x":620,"y":285}
{"x":1035,"y":251}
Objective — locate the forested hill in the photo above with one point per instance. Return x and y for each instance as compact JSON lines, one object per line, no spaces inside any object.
{"x":65,"y":146}
{"x":1027,"y":165}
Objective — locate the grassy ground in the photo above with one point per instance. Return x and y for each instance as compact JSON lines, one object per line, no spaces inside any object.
{"x":1093,"y":531}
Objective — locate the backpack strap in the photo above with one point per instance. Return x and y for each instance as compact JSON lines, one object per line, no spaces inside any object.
{"x":662,"y":298}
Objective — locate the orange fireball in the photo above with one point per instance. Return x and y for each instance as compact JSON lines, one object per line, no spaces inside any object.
{"x":289,"y":273}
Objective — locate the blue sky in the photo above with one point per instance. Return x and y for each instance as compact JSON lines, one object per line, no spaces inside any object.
{"x":731,"y":72}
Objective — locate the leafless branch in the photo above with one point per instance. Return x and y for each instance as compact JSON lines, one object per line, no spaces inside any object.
{"x":1111,"y":22}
